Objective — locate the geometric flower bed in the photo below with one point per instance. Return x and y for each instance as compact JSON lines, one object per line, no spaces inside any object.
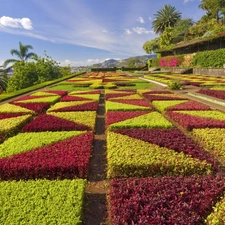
{"x":152,"y":97}
{"x":172,"y":139}
{"x":86,"y":118}
{"x":198,"y":119}
{"x":85,"y":96}
{"x":42,"y":202}
{"x":218,"y":214}
{"x":140,"y":102}
{"x":167,"y":200}
{"x":163,"y":105}
{"x":32,"y":99}
{"x":13,"y":124}
{"x":190,"y":105}
{"x":213,"y":139}
{"x":74,"y":106}
{"x":23,"y":142}
{"x":49,"y":93}
{"x":61,"y":159}
{"x":47,"y":122}
{"x":129,"y":157}
{"x":10,"y":108}
{"x":149,"y":120}
{"x":214,"y":93}
{"x":117,"y":116}
{"x":118,"y":106}
{"x":38,"y":107}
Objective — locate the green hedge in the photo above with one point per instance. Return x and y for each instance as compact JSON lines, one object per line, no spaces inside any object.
{"x":209,"y":59}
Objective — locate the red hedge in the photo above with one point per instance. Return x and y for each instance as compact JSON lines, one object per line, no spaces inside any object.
{"x":67,"y":159}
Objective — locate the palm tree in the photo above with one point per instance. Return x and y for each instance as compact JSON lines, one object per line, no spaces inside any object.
{"x":165,"y":17}
{"x":22,"y":54}
{"x":3,"y":80}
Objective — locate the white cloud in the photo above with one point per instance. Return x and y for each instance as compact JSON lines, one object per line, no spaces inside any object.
{"x":127,"y":31}
{"x":186,"y":1}
{"x":105,"y":31}
{"x":140,"y":20}
{"x":142,"y":30}
{"x":24,"y":23}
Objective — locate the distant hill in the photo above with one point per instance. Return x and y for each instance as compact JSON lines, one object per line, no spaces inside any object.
{"x":140,"y":61}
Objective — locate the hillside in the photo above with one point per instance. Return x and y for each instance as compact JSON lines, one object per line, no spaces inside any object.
{"x":140,"y":61}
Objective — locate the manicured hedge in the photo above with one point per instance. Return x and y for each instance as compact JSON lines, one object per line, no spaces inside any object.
{"x":10,"y":108}
{"x":117,"y":106}
{"x":213,"y":139}
{"x":172,"y":139}
{"x":198,"y":120}
{"x":206,"y":59}
{"x":42,"y":202}
{"x":74,"y":106}
{"x":129,"y":157}
{"x":67,"y":159}
{"x":86,"y":118}
{"x":23,"y":142}
{"x":47,"y":122}
{"x":13,"y":124}
{"x":150,"y":120}
{"x":168,"y":200}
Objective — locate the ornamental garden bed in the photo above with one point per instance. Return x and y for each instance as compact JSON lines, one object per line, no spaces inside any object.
{"x":157,"y":172}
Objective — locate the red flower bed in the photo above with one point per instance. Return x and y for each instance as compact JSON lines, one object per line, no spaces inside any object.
{"x":46,"y":122}
{"x":133,"y":102}
{"x":196,"y":83}
{"x":190,"y":122}
{"x":170,"y":138}
{"x":61,"y":93}
{"x":114,"y":116}
{"x":166,"y":97}
{"x":91,"y":106}
{"x":163,"y":201}
{"x":10,"y":115}
{"x":89,"y":92}
{"x":214,"y":93}
{"x":70,"y":98}
{"x":38,"y":107}
{"x":27,"y":97}
{"x":67,"y":159}
{"x":108,"y":96}
{"x":191,"y":105}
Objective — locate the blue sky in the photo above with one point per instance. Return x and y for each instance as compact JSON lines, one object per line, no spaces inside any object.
{"x":83,"y":32}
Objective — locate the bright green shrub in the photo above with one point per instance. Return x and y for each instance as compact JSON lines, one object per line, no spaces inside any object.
{"x":42,"y":202}
{"x":150,"y":120}
{"x":162,"y":106}
{"x":129,"y":157}
{"x":209,"y":59}
{"x":27,"y":141}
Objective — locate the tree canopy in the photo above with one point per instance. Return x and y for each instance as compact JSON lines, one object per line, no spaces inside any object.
{"x":165,"y":17}
{"x":22,"y":54}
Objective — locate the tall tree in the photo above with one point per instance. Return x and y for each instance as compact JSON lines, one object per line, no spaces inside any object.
{"x":213,"y":8}
{"x":22,"y":54}
{"x":165,"y":17}
{"x":3,"y":80}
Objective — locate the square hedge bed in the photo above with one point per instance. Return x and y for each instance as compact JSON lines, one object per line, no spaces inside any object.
{"x":131,"y":157}
{"x":165,"y":201}
{"x":42,"y":202}
{"x":50,"y":155}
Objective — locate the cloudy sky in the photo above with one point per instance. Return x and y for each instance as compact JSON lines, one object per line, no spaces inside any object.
{"x":83,"y":32}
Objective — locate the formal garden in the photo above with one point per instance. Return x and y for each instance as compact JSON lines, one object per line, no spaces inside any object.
{"x":164,"y":153}
{"x":105,"y":146}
